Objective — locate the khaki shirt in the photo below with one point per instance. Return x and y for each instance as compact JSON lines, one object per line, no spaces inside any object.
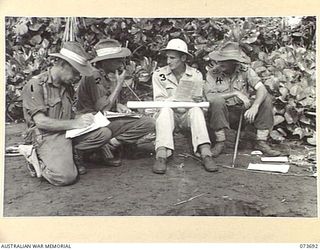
{"x":93,"y":92}
{"x":41,"y":95}
{"x":244,"y":79}
{"x":165,"y":83}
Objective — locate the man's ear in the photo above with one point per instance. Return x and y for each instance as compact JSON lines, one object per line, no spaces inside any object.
{"x":184,"y":58}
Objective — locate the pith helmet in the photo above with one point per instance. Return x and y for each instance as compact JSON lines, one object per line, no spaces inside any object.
{"x":177,"y":45}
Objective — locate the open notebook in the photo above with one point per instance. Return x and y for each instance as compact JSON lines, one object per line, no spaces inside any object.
{"x":99,"y":121}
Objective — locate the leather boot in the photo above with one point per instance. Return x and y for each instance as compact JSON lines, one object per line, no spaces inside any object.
{"x":79,"y":161}
{"x":160,"y":166}
{"x":266,"y":149}
{"x":108,"y":157}
{"x":217,"y":149}
{"x":209,"y":164}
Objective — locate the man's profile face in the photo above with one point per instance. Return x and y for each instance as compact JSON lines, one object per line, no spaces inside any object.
{"x":228,"y":66}
{"x":69,"y":74}
{"x":175,"y":59}
{"x":111,"y":65}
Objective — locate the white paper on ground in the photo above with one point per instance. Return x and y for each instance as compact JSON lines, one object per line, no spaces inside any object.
{"x":269,"y":167}
{"x":256,"y":152}
{"x":99,"y":121}
{"x":275,"y":159}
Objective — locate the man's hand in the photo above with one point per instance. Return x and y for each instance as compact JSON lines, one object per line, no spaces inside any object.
{"x":84,"y":121}
{"x":120,"y":78}
{"x":251,"y":113}
{"x":123,"y":109}
{"x":244,"y":99}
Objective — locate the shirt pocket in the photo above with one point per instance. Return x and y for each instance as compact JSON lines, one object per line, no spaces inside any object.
{"x":53,"y":102}
{"x":54,"y":106}
{"x":170,"y":88}
{"x":240,"y":85}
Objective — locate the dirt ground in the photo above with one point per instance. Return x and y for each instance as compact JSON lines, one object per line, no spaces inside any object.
{"x":186,"y":188}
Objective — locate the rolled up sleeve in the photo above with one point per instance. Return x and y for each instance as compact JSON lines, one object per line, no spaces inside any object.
{"x":33,"y":98}
{"x":252,"y":78}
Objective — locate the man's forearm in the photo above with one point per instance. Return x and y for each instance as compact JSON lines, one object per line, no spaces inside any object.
{"x":114,"y":96}
{"x":225,"y":96}
{"x":261,"y":95}
{"x":50,"y":124}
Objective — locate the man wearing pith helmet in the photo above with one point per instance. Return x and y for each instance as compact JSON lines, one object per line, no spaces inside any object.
{"x":100,"y":92}
{"x":165,"y":82}
{"x":228,"y":89}
{"x":47,"y":107}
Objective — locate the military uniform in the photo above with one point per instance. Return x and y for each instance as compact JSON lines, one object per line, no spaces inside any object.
{"x":92,"y":96}
{"x":164,"y":87}
{"x":224,"y":112}
{"x":54,"y":151}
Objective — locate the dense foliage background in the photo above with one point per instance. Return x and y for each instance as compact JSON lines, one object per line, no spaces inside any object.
{"x":282,"y":51}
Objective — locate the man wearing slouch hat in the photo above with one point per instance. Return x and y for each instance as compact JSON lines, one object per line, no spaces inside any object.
{"x":230,"y":88}
{"x":47,"y":107}
{"x":100,"y":92}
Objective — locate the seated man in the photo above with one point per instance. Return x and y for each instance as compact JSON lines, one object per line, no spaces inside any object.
{"x":228,"y":89}
{"x":100,"y":92}
{"x":165,"y":81}
{"x":47,"y":107}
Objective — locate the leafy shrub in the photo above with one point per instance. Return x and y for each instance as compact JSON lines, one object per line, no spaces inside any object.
{"x":282,"y":50}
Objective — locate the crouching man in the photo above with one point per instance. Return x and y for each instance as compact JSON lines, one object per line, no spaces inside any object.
{"x":228,"y":89}
{"x":47,"y":107}
{"x":165,"y":82}
{"x":100,"y":92}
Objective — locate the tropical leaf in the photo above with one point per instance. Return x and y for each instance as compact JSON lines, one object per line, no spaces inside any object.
{"x":290,"y":74}
{"x":21,"y":29}
{"x":288,"y":117}
{"x":36,"y":40}
{"x":312,"y":140}
{"x":280,"y":63}
{"x":296,"y":90}
{"x":299,"y":131}
{"x":284,"y":61}
{"x":278,"y":119}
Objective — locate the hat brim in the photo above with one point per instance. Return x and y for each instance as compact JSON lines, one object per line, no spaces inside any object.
{"x":188,"y":54}
{"x":85,"y":70}
{"x":218,"y":57}
{"x":125,"y":52}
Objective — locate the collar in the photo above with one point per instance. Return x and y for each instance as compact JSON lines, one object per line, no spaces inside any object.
{"x":49,"y":80}
{"x":188,"y":71}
